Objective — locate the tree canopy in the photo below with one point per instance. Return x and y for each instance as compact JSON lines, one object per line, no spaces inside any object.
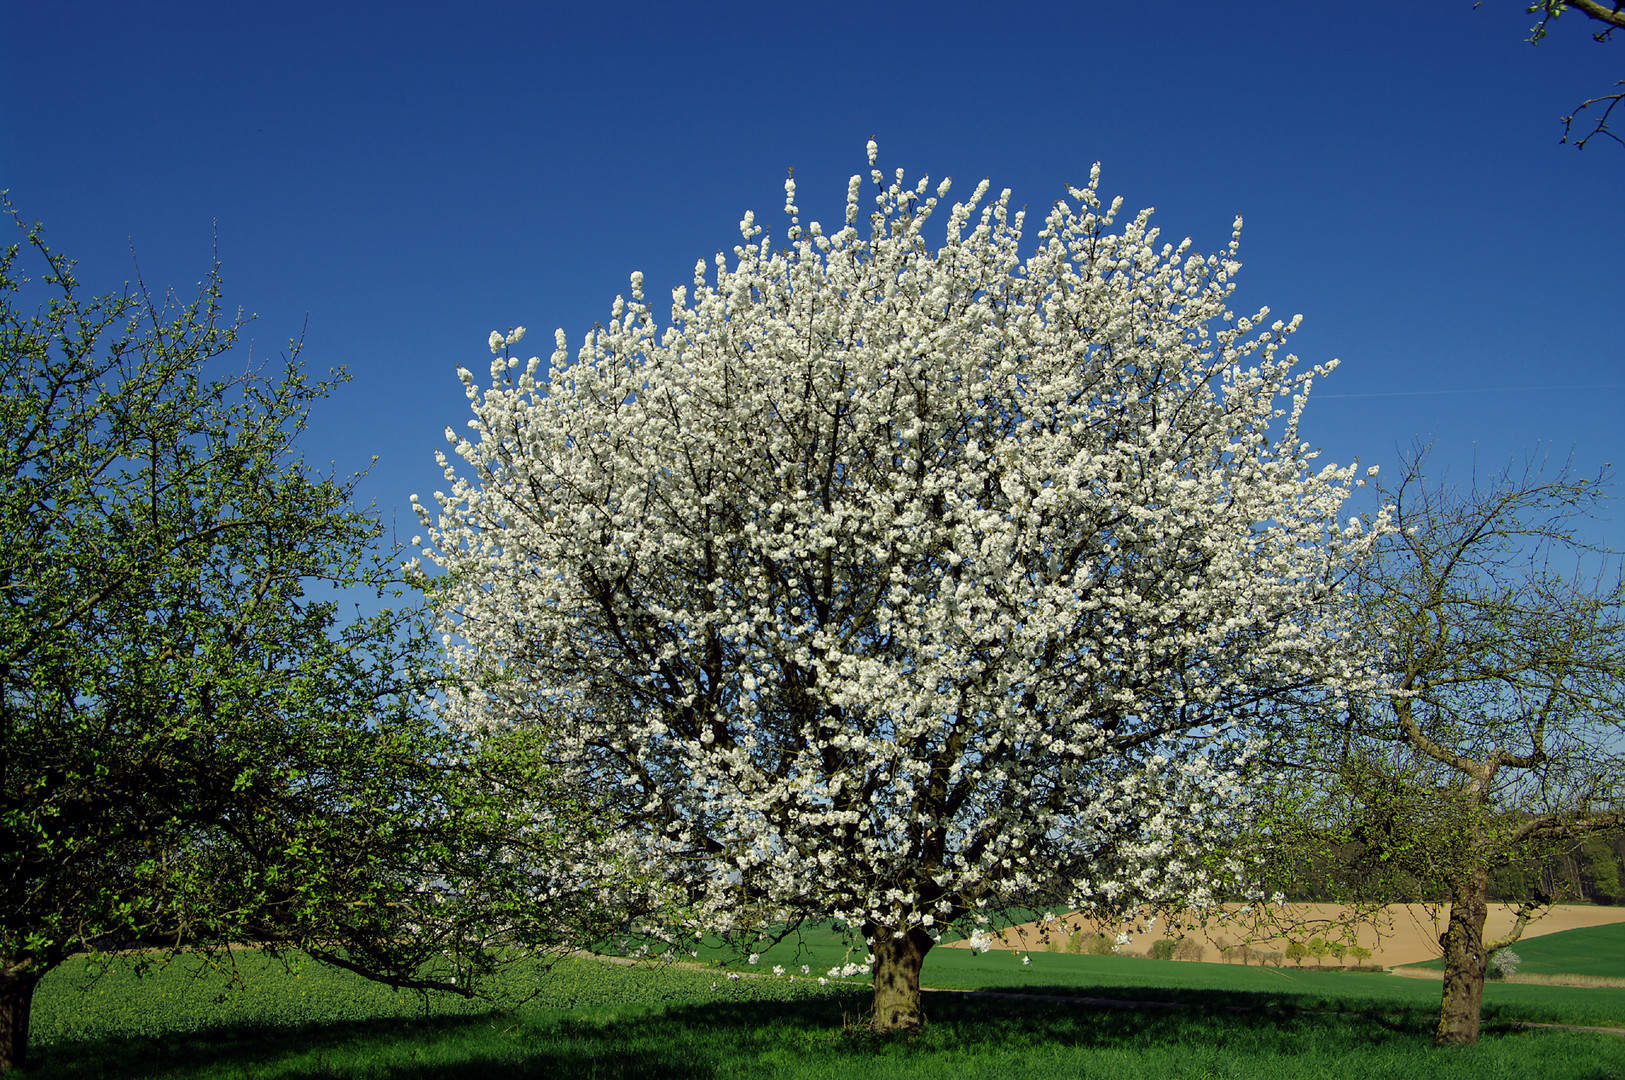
{"x":196,"y":749}
{"x":886,"y":581}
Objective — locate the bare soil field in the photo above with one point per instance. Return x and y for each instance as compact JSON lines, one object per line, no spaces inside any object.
{"x":1396,"y":934}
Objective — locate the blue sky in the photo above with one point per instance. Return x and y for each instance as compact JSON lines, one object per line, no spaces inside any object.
{"x":400,"y":179}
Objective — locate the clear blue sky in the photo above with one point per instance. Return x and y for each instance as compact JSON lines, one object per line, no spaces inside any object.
{"x":400,"y":179}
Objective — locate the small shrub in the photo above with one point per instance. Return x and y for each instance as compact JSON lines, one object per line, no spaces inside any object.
{"x":1297,"y":952}
{"x":1098,"y":945}
{"x":1162,"y":949}
{"x":1053,"y":942}
{"x":1074,"y":944}
{"x":1189,"y":949}
{"x":1503,"y":962}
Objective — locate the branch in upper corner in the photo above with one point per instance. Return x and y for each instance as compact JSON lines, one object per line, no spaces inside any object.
{"x":1601,"y":127}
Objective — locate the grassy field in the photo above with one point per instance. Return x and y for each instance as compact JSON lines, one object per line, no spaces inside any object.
{"x":1247,"y":986}
{"x":1590,"y":950}
{"x":592,"y":1019}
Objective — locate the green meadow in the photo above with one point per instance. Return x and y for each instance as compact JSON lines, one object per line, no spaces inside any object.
{"x":1590,"y":950}
{"x":586,"y":1017}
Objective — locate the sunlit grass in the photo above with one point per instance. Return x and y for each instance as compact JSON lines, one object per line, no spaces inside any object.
{"x":1586,"y":950}
{"x":593,"y":1019}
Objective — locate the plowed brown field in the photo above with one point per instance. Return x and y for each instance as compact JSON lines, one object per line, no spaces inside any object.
{"x":1397,"y":934}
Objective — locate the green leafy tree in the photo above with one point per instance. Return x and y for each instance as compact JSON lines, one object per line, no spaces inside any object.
{"x":194,"y":751}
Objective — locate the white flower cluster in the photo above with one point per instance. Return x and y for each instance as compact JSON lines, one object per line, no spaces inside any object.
{"x":884,"y":579}
{"x":847,"y":970}
{"x":499,"y":343}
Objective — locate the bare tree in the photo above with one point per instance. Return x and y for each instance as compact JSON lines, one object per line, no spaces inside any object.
{"x":1500,"y":626}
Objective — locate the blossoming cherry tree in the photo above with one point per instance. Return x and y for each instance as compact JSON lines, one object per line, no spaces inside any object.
{"x":886,"y":583}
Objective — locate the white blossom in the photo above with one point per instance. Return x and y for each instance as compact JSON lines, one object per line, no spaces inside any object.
{"x":886,"y":578}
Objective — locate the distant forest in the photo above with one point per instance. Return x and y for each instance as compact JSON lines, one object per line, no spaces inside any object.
{"x":1588,"y":871}
{"x":1592,"y":871}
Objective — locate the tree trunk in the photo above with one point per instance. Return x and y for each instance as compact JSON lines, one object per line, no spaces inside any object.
{"x":16,"y":1001}
{"x":897,"y":980}
{"x":1464,"y":962}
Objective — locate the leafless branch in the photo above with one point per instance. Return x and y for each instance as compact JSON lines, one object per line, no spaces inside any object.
{"x":1601,"y":127}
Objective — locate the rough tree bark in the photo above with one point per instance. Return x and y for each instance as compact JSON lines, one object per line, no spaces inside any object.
{"x":1467,"y":956}
{"x":16,"y":1002}
{"x":897,"y":979}
{"x":1465,"y":961}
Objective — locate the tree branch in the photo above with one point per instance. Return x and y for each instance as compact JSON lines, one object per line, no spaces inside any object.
{"x":1525,"y":911}
{"x":1614,"y":17}
{"x":1601,"y":127}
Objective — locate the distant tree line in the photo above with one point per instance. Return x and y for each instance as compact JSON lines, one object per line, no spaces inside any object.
{"x":1588,"y":871}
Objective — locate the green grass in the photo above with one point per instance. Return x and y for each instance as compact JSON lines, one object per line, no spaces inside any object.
{"x":1588,"y":950}
{"x":1253,"y":987}
{"x":591,"y":1019}
{"x":1248,"y":986}
{"x":78,"y":1003}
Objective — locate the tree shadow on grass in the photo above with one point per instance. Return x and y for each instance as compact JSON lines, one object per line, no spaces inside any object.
{"x":1403,"y":1017}
{"x":1272,"y":1002}
{"x":698,"y":1040}
{"x":1120,"y":1018}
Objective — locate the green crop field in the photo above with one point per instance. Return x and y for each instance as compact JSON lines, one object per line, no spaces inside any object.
{"x":588,"y":1018}
{"x":1589,"y":950}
